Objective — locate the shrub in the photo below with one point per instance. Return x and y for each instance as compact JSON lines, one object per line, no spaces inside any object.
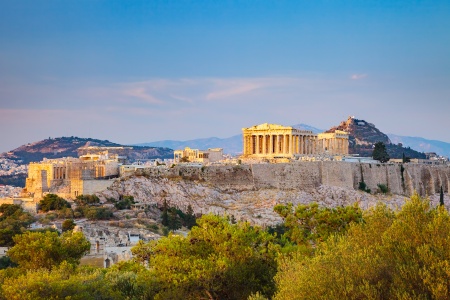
{"x":383,"y":188}
{"x":52,"y":202}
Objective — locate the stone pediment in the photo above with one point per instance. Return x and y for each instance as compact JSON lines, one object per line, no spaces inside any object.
{"x":267,"y":126}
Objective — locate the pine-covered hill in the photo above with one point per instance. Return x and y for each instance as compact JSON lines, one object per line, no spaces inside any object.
{"x":363,"y":136}
{"x":70,"y":147}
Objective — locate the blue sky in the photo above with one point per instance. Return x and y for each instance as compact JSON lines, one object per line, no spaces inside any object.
{"x":141,"y":71}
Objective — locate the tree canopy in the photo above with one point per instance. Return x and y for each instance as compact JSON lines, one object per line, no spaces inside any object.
{"x":216,"y":260}
{"x":391,"y":255}
{"x":13,"y":220}
{"x":34,"y":250}
{"x":52,"y":202}
{"x":380,"y":153}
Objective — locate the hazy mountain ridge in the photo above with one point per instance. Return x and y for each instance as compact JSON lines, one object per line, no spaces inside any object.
{"x":231,"y":145}
{"x":422,"y":144}
{"x":70,"y":147}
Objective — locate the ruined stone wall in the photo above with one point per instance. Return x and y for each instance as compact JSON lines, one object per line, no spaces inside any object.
{"x":39,"y":178}
{"x":93,"y":186}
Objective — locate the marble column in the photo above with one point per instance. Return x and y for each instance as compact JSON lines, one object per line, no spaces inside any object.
{"x":277,"y":148}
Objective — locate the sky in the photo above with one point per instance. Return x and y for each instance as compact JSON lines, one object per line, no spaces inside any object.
{"x":142,"y":71}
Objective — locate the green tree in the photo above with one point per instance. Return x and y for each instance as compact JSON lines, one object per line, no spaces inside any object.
{"x":5,"y":262}
{"x":189,"y":218}
{"x":174,"y":220}
{"x":405,"y":159}
{"x":309,"y":224}
{"x":441,"y":197}
{"x":68,"y":225}
{"x":83,"y":200}
{"x":124,"y":203}
{"x":8,"y":210}
{"x":165,"y":214}
{"x":380,"y":153}
{"x":217,"y":260}
{"x":52,"y":202}
{"x":34,"y":250}
{"x":391,"y":255}
{"x":13,"y":220}
{"x":97,"y":213}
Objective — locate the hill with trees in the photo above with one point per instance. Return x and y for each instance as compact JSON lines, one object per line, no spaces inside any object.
{"x":364,"y":135}
{"x":52,"y":148}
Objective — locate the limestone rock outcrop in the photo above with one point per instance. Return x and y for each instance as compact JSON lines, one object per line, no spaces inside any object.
{"x":249,"y":192}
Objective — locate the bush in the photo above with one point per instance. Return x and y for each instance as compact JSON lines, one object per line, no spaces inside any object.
{"x":124,"y":203}
{"x":383,"y":188}
{"x":363,"y":187}
{"x":52,"y":202}
{"x":98,"y":213}
{"x":83,"y":200}
{"x":68,"y":225}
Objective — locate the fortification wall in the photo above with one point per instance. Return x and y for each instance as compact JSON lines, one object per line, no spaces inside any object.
{"x":94,"y":186}
{"x":307,"y":176}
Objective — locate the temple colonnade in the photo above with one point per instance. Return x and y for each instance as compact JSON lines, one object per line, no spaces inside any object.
{"x":276,"y":141}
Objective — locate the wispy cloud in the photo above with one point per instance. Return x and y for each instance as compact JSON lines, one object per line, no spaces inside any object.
{"x":142,"y":94}
{"x":234,"y":90}
{"x":358,"y":76}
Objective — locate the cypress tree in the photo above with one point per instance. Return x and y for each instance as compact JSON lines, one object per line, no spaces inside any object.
{"x":165,"y":215}
{"x":441,"y":197}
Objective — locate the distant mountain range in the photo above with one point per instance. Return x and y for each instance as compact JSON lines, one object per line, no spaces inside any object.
{"x":231,"y":145}
{"x":76,"y":146}
{"x":421,"y":144}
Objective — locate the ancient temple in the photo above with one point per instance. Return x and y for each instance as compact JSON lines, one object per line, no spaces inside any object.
{"x":333,"y":143}
{"x":276,"y":141}
{"x":271,"y":141}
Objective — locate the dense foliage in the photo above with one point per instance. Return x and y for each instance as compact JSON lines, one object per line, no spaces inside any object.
{"x":13,"y":220}
{"x":83,"y":200}
{"x":52,"y":202}
{"x":35,"y":250}
{"x":317,"y":253}
{"x":124,"y":203}
{"x":174,"y":218}
{"x":402,"y":255}
{"x":307,"y":225}
{"x":216,"y":260}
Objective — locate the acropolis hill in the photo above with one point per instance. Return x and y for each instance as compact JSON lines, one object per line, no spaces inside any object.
{"x":279,"y":164}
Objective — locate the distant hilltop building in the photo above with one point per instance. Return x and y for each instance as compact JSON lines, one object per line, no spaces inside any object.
{"x":200,"y":156}
{"x":74,"y":176}
{"x":271,"y":141}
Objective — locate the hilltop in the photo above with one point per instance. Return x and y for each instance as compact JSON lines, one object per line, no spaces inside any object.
{"x":363,"y":135}
{"x":13,"y":173}
{"x":70,"y":146}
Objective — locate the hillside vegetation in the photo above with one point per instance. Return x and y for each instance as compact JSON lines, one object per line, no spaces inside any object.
{"x":316,"y":253}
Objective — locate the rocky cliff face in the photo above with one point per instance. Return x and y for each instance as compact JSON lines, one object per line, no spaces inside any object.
{"x":249,"y":192}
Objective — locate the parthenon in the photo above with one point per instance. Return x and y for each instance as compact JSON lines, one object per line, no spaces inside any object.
{"x":277,"y":141}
